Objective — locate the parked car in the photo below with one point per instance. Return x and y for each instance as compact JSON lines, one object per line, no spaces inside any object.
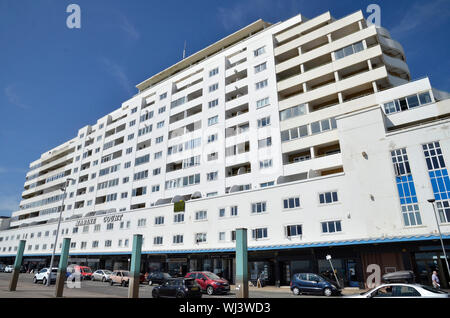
{"x":402,"y":291}
{"x":101,"y":274}
{"x":73,"y":270}
{"x":309,"y":283}
{"x":2,"y":268}
{"x":43,"y":274}
{"x":178,"y":288}
{"x":158,"y":278}
{"x":405,"y":277}
{"x":119,"y":277}
{"x":210,"y":282}
{"x":9,"y":269}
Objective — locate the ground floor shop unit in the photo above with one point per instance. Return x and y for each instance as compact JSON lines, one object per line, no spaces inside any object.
{"x":275,"y":266}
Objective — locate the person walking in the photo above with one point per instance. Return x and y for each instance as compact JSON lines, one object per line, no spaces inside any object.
{"x":435,"y":280}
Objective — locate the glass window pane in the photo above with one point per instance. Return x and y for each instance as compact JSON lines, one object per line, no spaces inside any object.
{"x":425,"y":98}
{"x":413,"y":101}
{"x":315,"y":127}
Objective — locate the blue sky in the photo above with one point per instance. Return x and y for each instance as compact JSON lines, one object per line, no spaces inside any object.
{"x":55,"y":80}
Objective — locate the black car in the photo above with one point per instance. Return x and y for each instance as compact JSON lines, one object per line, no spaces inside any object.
{"x":158,"y":278}
{"x":178,"y":288}
{"x":309,"y":283}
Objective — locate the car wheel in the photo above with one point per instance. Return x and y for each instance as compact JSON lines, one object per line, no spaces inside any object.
{"x":210,"y":290}
{"x":155,"y":294}
{"x":180,"y":295}
{"x":44,"y":281}
{"x":296,"y":291}
{"x":34,"y":280}
{"x":103,"y":279}
{"x":123,"y":283}
{"x":327,"y":292}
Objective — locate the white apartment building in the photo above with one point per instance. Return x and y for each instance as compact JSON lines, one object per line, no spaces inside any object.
{"x":310,"y":133}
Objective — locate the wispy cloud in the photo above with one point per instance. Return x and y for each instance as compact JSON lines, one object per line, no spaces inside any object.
{"x":129,"y":28}
{"x":13,"y":97}
{"x":424,"y":13}
{"x":118,"y":73}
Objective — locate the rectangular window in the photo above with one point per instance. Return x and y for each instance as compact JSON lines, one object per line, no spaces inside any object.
{"x":213,"y":120}
{"x":331,"y":227}
{"x":328,"y":197}
{"x":214,"y":72}
{"x":213,"y":87}
{"x":259,"y":207}
{"x":263,"y":122}
{"x":262,"y":103}
{"x":259,"y":51}
{"x":261,"y":84}
{"x":178,"y":218}
{"x":159,"y":220}
{"x":212,"y":176}
{"x":265,"y":164}
{"x":177,"y":239}
{"x":200,"y":237}
{"x":234,"y":210}
{"x":213,"y":103}
{"x":261,"y":67}
{"x":267,"y":142}
{"x":259,"y":233}
{"x":201,"y":215}
{"x":291,"y":203}
{"x":293,"y":230}
{"x":158,"y":240}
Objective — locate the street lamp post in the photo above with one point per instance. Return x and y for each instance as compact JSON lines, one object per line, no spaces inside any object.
{"x":66,"y":184}
{"x":432,"y":201}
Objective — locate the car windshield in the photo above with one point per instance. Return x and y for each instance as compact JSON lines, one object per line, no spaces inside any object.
{"x":107,"y":272}
{"x":433,"y":290}
{"x":87,"y":270}
{"x":212,"y":276}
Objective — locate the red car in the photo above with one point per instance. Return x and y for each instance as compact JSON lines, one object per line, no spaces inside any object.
{"x":85,"y":272}
{"x":210,"y":282}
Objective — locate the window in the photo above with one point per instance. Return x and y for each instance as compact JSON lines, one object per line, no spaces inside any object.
{"x":129,"y":150}
{"x":201,"y":215}
{"x":177,"y":239}
{"x":443,"y":208}
{"x":261,"y":67}
{"x":349,"y":50}
{"x":162,"y":96}
{"x":267,"y":142}
{"x":214,"y":72}
{"x":159,"y":220}
{"x":212,"y":176}
{"x":161,"y":110}
{"x":146,"y":116}
{"x":267,"y":184}
{"x":259,"y":207}
{"x":178,"y":102}
{"x":142,"y":222}
{"x":200,"y":237}
{"x":139,"y":191}
{"x":213,"y":156}
{"x":160,"y":124}
{"x":145,"y":130}
{"x":155,"y":188}
{"x":141,"y":175}
{"x":156,"y":171}
{"x":213,"y":120}
{"x":178,"y":218}
{"x":127,"y":164}
{"x":234,"y":210}
{"x":406,"y":103}
{"x":124,"y":195}
{"x":159,"y":139}
{"x":263,"y":122}
{"x":292,"y":112}
{"x":259,"y":51}
{"x":212,"y":138}
{"x":262,"y":103}
{"x":293,"y":230}
{"x":221,"y":213}
{"x":328,"y":197}
{"x":97,"y":228}
{"x":221,"y":236}
{"x":259,"y":233}
{"x":158,"y":240}
{"x":132,"y":123}
{"x":213,"y":103}
{"x":261,"y":84}
{"x":213,"y":87}
{"x":141,"y":160}
{"x":331,"y":227}
{"x":109,"y":226}
{"x":265,"y":164}
{"x":134,"y":110}
{"x":108,"y":243}
{"x":158,"y":155}
{"x":291,"y":203}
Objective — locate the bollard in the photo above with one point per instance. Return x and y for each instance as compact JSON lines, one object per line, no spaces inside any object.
{"x":17,"y":265}
{"x":241,"y":264}
{"x":135,"y":270}
{"x":62,"y":268}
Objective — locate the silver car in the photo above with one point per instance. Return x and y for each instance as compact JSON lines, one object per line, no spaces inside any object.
{"x":402,"y":291}
{"x":101,"y":274}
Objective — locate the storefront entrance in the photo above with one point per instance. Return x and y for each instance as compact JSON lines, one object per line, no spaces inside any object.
{"x":428,"y":262}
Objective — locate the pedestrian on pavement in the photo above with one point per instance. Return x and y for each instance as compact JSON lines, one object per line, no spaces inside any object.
{"x":435,"y":280}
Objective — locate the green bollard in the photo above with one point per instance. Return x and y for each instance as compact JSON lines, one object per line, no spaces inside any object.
{"x":241,"y":264}
{"x":17,"y":264}
{"x":62,"y":268}
{"x":135,"y":271}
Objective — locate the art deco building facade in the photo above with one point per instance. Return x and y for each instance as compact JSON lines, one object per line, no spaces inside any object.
{"x":308,"y":132}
